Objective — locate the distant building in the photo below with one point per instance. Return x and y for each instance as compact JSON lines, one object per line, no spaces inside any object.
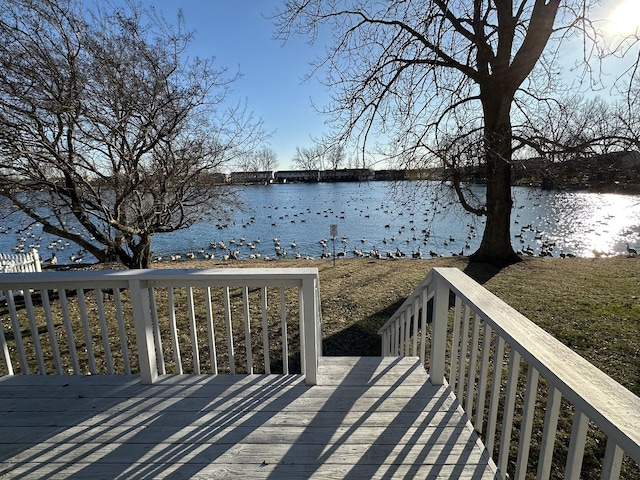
{"x":390,"y":175}
{"x":347,"y":175}
{"x":297,"y":176}
{"x":265,"y":177}
{"x":217,"y":178}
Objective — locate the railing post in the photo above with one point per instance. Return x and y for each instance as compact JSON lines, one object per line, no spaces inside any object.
{"x":439,"y":330}
{"x":37,"y":267}
{"x":144,"y":331}
{"x":311,"y":319}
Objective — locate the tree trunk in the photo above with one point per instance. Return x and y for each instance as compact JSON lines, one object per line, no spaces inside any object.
{"x":495,"y":246}
{"x":142,"y":253}
{"x":141,"y":256}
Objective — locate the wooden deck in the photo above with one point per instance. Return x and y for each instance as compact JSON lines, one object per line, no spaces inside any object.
{"x":367,"y":418}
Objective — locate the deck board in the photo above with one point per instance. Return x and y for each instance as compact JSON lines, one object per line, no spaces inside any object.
{"x":367,"y":418}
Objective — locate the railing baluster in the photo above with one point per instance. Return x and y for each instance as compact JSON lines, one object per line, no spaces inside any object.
{"x":71,"y":340}
{"x":612,"y":460}
{"x":6,"y":358}
{"x":473,"y":359}
{"x":403,"y":325}
{"x":177,"y":358}
{"x":193,"y":330}
{"x":17,"y":333}
{"x":35,"y":334}
{"x":227,"y":316}
{"x":455,"y":342}
{"x":527,"y":423}
{"x":210,"y":331}
{"x":283,"y":323}
{"x":247,"y":329}
{"x":484,"y":375}
{"x":88,"y":338}
{"x":51,"y":328}
{"x":464,"y":343}
{"x":394,"y":338}
{"x":507,"y":416}
{"x":576,"y":445}
{"x":122,"y":332}
{"x":494,"y":401}
{"x":549,"y":433}
{"x":424,"y":296}
{"x":416,"y":309}
{"x":385,"y":335}
{"x":265,"y":332}
{"x":407,"y":332}
{"x":105,"y":332}
{"x":157,"y":338}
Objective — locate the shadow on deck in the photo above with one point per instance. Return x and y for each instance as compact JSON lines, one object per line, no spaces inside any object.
{"x":369,"y":417}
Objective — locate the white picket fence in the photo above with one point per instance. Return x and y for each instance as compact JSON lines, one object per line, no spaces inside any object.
{"x":488,"y":352}
{"x":161,"y":321}
{"x":20,"y":262}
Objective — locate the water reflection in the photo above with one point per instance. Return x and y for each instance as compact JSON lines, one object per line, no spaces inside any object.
{"x":585,"y":224}
{"x":380,"y":216}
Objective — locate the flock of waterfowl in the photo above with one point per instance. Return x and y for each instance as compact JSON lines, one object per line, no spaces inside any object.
{"x":381,"y":229}
{"x":397,"y":239}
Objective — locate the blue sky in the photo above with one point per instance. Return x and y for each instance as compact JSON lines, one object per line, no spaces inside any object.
{"x":239,"y":36}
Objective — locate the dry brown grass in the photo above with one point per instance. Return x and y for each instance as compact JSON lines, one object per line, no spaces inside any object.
{"x":591,"y":305}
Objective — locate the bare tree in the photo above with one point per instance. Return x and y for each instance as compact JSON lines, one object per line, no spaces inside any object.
{"x":108,"y":133}
{"x":336,"y":157}
{"x":246,"y":164}
{"x":265,"y":159}
{"x":308,"y":158}
{"x":417,"y":73}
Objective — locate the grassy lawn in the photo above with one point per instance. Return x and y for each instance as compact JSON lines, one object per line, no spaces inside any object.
{"x":591,"y":305}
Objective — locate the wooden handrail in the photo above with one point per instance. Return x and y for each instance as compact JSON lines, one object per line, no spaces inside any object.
{"x":478,"y":313}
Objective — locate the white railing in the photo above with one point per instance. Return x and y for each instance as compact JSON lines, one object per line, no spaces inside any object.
{"x":504,"y":369}
{"x":161,"y":321}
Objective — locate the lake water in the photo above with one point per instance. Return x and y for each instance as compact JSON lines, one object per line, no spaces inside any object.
{"x":383,"y":216}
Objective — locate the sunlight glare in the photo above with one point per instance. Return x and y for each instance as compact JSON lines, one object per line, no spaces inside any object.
{"x":625,"y":18}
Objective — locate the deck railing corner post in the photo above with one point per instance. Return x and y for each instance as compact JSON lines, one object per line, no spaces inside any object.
{"x":144,"y":331}
{"x":439,"y":330}
{"x":311,"y":319}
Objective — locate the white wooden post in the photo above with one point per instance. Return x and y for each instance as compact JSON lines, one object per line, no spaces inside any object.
{"x":439,"y":330}
{"x":144,"y":331}
{"x":36,"y":260}
{"x":311,"y":320}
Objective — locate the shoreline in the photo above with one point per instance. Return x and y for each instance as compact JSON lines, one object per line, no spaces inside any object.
{"x":460,"y":260}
